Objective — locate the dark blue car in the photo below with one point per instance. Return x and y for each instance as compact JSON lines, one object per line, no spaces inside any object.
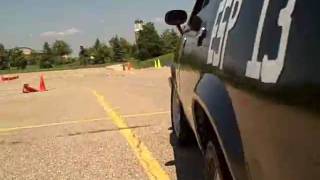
{"x":246,"y":84}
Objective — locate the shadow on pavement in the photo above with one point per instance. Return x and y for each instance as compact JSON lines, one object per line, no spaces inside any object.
{"x":188,"y":161}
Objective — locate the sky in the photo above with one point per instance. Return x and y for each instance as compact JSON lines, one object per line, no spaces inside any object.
{"x":30,"y":23}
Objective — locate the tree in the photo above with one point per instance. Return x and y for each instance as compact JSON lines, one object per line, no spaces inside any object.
{"x":126,"y":46}
{"x":134,"y":51}
{"x":170,"y":40}
{"x":30,"y":58}
{"x":36,"y":58}
{"x":61,"y":48}
{"x":104,"y":54}
{"x":46,"y":58}
{"x":47,"y":48}
{"x":149,"y":43}
{"x":118,"y":51}
{"x":97,"y":44}
{"x":83,"y":55}
{"x":4,"y":61}
{"x":99,"y":53}
{"x":17,"y":59}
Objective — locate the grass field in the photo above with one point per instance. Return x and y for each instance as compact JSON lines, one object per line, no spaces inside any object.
{"x":35,"y":68}
{"x":164,"y":59}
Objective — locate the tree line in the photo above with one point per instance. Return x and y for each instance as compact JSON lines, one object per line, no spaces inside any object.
{"x":148,"y":44}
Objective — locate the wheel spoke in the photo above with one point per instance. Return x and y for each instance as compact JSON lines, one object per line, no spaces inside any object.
{"x":217,"y":176}
{"x":212,"y":163}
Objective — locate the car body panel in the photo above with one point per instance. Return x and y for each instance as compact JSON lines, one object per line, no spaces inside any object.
{"x":271,"y":122}
{"x":213,"y":97}
{"x":279,"y":141}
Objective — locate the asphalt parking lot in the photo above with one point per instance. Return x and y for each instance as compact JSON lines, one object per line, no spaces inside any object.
{"x":92,"y":124}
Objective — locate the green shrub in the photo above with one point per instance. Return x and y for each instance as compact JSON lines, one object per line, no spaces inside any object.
{"x":165,"y":60}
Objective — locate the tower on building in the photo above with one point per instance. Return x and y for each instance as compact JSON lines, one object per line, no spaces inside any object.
{"x":138,"y":26}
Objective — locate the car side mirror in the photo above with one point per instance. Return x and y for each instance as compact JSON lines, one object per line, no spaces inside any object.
{"x":195,"y":23}
{"x":176,"y":18}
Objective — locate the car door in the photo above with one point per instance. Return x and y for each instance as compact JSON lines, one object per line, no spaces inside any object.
{"x":196,"y":43}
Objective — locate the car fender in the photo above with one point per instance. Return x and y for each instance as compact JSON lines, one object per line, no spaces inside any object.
{"x":212,"y":96}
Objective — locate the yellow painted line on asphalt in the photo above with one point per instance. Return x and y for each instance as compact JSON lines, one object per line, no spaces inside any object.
{"x":151,"y":166}
{"x":50,"y":124}
{"x":79,"y":121}
{"x":146,"y":114}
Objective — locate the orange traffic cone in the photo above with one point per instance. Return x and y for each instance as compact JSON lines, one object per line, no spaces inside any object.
{"x":10,"y":78}
{"x":28,"y":89}
{"x":129,"y":66}
{"x":13,"y":78}
{"x":42,"y":84}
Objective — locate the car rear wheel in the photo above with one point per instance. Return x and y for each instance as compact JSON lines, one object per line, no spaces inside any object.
{"x":180,"y":126}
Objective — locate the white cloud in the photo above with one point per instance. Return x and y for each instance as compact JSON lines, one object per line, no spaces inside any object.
{"x":71,"y":31}
{"x":48,"y":33}
{"x":67,"y":32}
{"x":101,"y":21}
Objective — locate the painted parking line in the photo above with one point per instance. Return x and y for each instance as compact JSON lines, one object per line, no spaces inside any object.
{"x":145,"y":114}
{"x":2,"y":130}
{"x":50,"y":124}
{"x":151,"y":166}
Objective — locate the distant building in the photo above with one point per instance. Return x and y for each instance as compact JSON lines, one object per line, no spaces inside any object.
{"x":25,"y":50}
{"x":138,"y":26}
{"x":65,"y":56}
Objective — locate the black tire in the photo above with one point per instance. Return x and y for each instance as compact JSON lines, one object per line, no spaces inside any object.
{"x":216,"y":167}
{"x":180,"y":126}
